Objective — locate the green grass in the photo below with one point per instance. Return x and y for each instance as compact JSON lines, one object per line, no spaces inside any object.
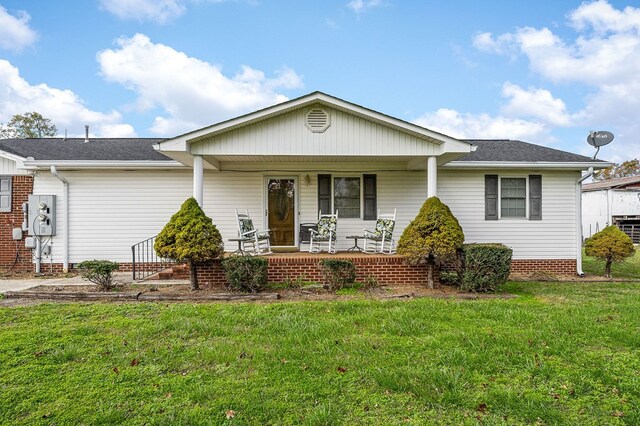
{"x":630,"y":268}
{"x":562,"y":353}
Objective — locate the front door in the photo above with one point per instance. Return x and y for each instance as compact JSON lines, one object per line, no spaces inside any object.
{"x":281,"y":211}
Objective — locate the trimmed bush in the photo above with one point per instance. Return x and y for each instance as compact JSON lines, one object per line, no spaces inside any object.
{"x":246,"y":273}
{"x":191,"y":236}
{"x":610,"y":245}
{"x":486,"y":266}
{"x":337,"y":273}
{"x":432,"y":238}
{"x":99,"y":272}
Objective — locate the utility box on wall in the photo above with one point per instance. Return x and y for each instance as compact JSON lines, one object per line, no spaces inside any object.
{"x":42,"y":215}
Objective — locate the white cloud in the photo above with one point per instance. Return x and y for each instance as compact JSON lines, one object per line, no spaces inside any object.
{"x":537,"y":103}
{"x":192,"y":93}
{"x":63,"y":107}
{"x":159,"y":11}
{"x":482,"y":126}
{"x":362,"y":5}
{"x":602,"y":17}
{"x":604,"y":57}
{"x":15,"y":33}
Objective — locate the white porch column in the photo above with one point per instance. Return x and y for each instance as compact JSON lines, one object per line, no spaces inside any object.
{"x":432,"y":176}
{"x":198,"y":178}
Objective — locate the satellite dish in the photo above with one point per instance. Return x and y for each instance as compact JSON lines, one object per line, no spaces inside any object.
{"x":598,"y":139}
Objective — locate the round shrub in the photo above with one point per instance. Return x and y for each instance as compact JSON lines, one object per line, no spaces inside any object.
{"x":610,"y":245}
{"x":486,"y":266}
{"x":99,"y":272}
{"x":337,"y":273}
{"x":246,"y":273}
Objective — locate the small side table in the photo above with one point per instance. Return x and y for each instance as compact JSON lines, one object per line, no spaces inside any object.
{"x":240,"y":251}
{"x":355,"y":247}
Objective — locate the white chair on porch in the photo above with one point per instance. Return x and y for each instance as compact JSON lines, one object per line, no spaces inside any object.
{"x":253,"y":241}
{"x":381,"y":240}
{"x":326,"y":233}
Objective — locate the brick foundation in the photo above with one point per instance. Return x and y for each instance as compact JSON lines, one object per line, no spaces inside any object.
{"x":21,"y":188}
{"x":556,"y":266}
{"x":389,"y":270}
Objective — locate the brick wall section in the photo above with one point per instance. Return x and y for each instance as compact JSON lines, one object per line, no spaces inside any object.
{"x":21,"y":188}
{"x":556,"y":266}
{"x":388,"y":270}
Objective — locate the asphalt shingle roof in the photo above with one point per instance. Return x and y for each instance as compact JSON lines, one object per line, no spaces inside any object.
{"x":511,"y":150}
{"x":140,"y":149}
{"x":97,"y":149}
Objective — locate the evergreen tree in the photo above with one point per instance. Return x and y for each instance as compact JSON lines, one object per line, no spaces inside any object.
{"x":190,"y":236}
{"x":610,"y":245}
{"x":432,"y":238}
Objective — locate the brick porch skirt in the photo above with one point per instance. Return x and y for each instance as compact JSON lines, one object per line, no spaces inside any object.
{"x":386,"y":269}
{"x":389,"y":270}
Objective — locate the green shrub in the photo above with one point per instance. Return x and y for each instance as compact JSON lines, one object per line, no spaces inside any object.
{"x":246,"y":273}
{"x":337,"y":273}
{"x":190,"y":236}
{"x":610,"y":245}
{"x":432,"y":238}
{"x":486,"y":266}
{"x":99,"y":272}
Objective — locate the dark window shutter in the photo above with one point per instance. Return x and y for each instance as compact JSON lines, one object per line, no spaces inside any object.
{"x":491,"y":197}
{"x":370,"y":197}
{"x":535,"y":197}
{"x":324,"y":194}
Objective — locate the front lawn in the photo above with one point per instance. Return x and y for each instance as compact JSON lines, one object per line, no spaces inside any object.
{"x":630,"y":268}
{"x":561,"y":353}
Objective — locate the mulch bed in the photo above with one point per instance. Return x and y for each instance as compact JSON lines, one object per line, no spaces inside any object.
{"x":182,"y":292}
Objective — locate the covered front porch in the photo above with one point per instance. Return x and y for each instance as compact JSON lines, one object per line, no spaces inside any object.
{"x":284,"y":164}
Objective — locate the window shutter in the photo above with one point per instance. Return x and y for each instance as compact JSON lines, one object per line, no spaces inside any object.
{"x":491,"y":197}
{"x":5,"y":194}
{"x":535,"y":197}
{"x":324,"y":194}
{"x":370,"y":197}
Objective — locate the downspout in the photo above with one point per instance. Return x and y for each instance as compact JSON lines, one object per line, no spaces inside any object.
{"x":579,"y":221}
{"x":65,"y":237}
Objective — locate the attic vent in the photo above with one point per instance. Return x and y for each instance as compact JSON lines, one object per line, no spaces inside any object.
{"x":317,"y":120}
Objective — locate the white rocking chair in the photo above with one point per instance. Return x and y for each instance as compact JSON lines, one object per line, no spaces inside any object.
{"x":326,"y":233}
{"x":381,"y":239}
{"x":253,"y":241}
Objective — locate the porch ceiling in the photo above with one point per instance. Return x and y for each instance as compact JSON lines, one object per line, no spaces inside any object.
{"x":317,"y":162}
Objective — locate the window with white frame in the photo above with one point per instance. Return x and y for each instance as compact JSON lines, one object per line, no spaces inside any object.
{"x":5,"y":194}
{"x":513,"y":197}
{"x":346,"y":196}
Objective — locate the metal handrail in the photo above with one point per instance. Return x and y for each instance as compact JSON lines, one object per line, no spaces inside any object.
{"x":146,"y":261}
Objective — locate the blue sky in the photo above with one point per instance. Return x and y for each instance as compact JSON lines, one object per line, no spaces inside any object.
{"x":545,"y":72}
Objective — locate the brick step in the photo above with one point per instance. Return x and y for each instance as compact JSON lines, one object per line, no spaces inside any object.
{"x":176,"y":272}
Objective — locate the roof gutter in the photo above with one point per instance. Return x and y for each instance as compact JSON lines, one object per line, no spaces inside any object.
{"x":78,"y":164}
{"x":65,"y":212}
{"x":579,"y":221}
{"x":526,"y":165}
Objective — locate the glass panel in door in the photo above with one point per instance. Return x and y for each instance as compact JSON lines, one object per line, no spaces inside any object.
{"x":281,"y":211}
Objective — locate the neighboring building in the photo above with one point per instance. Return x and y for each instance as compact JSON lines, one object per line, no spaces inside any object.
{"x":317,"y":151}
{"x":612,"y":202}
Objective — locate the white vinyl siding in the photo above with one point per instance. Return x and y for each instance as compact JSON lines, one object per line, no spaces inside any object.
{"x":553,"y":237}
{"x":288,"y":135}
{"x":112,"y":210}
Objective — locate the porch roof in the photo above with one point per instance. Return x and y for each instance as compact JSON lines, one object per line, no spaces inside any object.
{"x":278,"y":133}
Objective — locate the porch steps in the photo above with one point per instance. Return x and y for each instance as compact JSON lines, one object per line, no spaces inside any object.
{"x":176,"y":272}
